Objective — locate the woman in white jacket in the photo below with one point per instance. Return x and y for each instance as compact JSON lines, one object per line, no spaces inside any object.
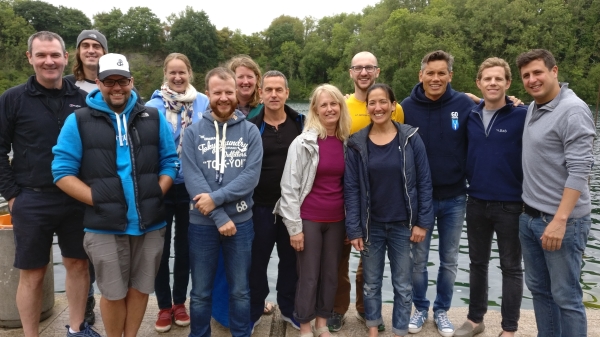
{"x":312,"y":206}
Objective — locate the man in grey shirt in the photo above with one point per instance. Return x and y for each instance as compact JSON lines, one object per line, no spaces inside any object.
{"x":557,"y":160}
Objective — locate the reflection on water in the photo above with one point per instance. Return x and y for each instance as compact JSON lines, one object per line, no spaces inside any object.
{"x":590,"y":275}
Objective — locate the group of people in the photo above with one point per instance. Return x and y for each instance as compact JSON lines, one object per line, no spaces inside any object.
{"x":236,"y":171}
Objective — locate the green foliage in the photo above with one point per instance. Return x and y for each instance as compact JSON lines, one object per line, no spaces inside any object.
{"x":193,"y":35}
{"x":311,"y":51}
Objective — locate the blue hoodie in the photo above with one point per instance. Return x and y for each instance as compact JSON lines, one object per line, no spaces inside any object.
{"x":494,"y":168}
{"x":231,"y":188}
{"x":443,"y":128}
{"x":199,"y":106}
{"x":68,"y":154}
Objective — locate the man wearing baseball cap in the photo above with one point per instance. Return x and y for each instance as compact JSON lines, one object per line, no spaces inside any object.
{"x":118,"y":157}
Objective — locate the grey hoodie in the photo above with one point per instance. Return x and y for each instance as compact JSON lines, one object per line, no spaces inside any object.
{"x":229,"y":175}
{"x":557,"y":152}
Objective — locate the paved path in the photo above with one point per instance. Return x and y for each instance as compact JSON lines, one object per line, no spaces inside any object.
{"x":273,"y":326}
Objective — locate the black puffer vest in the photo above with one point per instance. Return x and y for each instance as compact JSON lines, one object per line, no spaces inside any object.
{"x":99,"y":169}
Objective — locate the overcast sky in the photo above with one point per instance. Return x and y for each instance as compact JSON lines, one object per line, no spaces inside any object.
{"x":248,"y":16}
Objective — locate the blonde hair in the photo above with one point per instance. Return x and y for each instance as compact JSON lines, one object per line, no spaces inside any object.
{"x":342,"y":130}
{"x":495,"y":62}
{"x":246,"y":61}
{"x":182,"y":58}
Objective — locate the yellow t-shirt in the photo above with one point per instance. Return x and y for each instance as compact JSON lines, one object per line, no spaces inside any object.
{"x":360,"y":116}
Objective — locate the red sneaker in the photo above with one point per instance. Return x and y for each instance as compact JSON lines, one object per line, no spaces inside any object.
{"x":163,"y":323}
{"x":181,"y":316}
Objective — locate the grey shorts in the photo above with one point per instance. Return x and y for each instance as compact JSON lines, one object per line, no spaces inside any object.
{"x":125,"y":261}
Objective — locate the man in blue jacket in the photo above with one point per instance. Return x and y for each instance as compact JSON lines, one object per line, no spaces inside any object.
{"x":221,"y":160}
{"x":441,"y":115}
{"x":495,"y":176}
{"x":118,"y":158}
{"x":31,"y":116}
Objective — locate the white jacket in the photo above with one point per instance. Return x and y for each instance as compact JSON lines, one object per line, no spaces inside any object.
{"x":297,"y":179}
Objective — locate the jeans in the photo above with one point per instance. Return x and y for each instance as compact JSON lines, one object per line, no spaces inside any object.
{"x":553,"y":276}
{"x":268,"y":230}
{"x":450,"y":215}
{"x":177,"y":203}
{"x":205,"y":242}
{"x":484,"y":218}
{"x":395,"y":236}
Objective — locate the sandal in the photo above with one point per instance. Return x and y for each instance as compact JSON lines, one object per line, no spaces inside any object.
{"x":269,"y":308}
{"x":318,"y":332}
{"x":308,"y":334}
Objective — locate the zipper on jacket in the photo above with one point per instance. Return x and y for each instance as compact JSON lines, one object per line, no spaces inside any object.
{"x":404,"y":175}
{"x":135,"y":178}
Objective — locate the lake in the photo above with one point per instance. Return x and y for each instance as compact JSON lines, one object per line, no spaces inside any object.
{"x":590,"y":275}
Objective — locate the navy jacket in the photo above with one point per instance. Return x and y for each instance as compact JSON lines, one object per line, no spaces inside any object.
{"x":443,"y":127}
{"x":494,"y":168}
{"x":417,"y":182}
{"x":28,"y":124}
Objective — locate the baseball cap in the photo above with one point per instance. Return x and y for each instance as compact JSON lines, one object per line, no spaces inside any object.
{"x":94,"y":35}
{"x":113,"y":64}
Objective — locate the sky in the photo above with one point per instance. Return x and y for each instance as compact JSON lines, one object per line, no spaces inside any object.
{"x":248,"y":16}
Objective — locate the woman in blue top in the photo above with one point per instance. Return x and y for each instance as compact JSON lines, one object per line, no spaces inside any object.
{"x":387,"y":192}
{"x":182,"y":105}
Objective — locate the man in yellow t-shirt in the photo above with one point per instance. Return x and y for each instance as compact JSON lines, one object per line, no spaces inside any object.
{"x":363,"y":71}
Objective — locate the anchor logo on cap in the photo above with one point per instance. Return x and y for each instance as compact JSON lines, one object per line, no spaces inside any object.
{"x":120,"y":62}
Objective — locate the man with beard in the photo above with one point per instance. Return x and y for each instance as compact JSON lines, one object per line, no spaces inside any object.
{"x":363,"y":71}
{"x":221,"y":158}
{"x":118,"y":158}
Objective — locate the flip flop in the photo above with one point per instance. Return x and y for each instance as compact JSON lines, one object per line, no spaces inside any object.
{"x":269,"y":308}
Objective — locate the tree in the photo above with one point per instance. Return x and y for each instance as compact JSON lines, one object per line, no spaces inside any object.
{"x":193,"y":35}
{"x":111,"y":25}
{"x":141,"y":30}
{"x":14,"y":32}
{"x":230,"y":44}
{"x":39,"y":14}
{"x":73,"y":21}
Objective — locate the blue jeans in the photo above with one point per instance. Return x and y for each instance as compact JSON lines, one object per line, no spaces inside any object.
{"x":395,"y":236}
{"x":450,"y":215}
{"x":484,"y":218}
{"x":553,"y":276}
{"x":205,"y":243}
{"x":177,"y":201}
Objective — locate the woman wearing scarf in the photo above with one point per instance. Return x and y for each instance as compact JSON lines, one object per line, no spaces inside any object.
{"x":182,"y":105}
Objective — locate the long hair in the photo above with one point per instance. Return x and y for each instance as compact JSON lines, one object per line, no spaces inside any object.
{"x":246,"y":61}
{"x":342,"y":130}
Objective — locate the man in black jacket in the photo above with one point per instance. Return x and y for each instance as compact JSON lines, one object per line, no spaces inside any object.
{"x":279,"y":125}
{"x":31,"y":117}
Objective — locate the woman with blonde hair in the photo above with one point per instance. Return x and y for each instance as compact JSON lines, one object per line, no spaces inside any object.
{"x":247,"y":79}
{"x":182,"y":105}
{"x":312,"y":206}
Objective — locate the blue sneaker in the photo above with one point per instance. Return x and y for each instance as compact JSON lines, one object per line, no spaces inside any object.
{"x":445,"y":327}
{"x":416,"y":321}
{"x":85,"y":331}
{"x":292,"y":321}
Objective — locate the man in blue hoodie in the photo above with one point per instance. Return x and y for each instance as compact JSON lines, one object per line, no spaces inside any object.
{"x":441,"y":115}
{"x":221,"y":160}
{"x":494,"y":172}
{"x":118,"y":158}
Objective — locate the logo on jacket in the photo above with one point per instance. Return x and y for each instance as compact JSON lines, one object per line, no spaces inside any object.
{"x":502,"y":130}
{"x":74,"y":106}
{"x":144,"y":114}
{"x":454,"y":116}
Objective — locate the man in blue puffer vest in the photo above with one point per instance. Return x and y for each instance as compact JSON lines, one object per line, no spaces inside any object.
{"x":118,"y":157}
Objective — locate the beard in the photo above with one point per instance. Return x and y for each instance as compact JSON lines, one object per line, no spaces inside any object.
{"x":222,"y":111}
